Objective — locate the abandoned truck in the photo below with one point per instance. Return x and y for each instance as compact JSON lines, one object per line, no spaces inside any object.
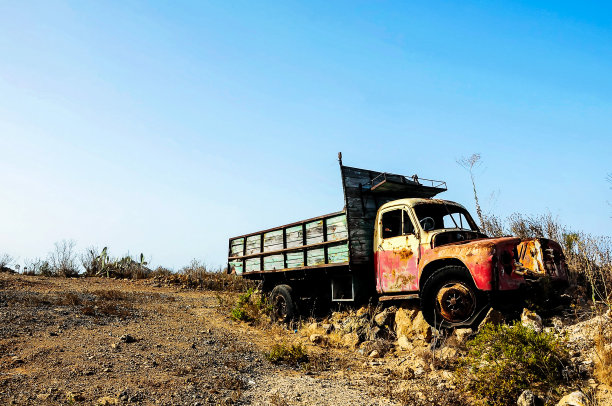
{"x":392,"y":241}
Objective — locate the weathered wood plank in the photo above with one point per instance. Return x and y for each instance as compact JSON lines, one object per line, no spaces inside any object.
{"x":337,"y":228}
{"x":337,"y":254}
{"x":315,"y":257}
{"x":272,"y":262}
{"x":252,"y":264}
{"x":295,"y":259}
{"x":294,"y":237}
{"x":237,"y":247}
{"x":314,"y":232}
{"x":236,"y":267}
{"x":253,"y":244}
{"x":273,"y":241}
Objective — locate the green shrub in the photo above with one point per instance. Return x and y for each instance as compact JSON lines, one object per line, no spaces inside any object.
{"x":251,"y":306}
{"x":291,"y":354}
{"x":502,"y":361}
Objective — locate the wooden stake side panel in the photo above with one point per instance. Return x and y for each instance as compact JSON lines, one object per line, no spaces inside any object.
{"x":317,"y":242}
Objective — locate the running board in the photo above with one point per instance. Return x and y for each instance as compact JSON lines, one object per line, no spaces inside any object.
{"x":398,"y":297}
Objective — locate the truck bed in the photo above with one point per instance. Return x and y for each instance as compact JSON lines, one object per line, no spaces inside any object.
{"x":313,"y":243}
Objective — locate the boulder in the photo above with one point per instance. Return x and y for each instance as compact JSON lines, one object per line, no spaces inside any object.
{"x":385,"y":317}
{"x":421,"y":329}
{"x":404,"y":344}
{"x":531,"y":320}
{"x":493,"y":317}
{"x":351,"y":340}
{"x":574,"y":399}
{"x":528,"y":398}
{"x":403,"y":321}
{"x":462,"y":335}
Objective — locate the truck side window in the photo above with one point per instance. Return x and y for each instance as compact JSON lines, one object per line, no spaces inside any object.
{"x":392,"y":223}
{"x":408,"y":227}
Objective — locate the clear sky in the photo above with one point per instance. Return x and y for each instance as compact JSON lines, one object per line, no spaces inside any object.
{"x":166,"y":127}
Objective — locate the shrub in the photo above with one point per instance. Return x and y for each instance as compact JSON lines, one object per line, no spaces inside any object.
{"x":251,"y":306}
{"x":284,"y":353}
{"x":63,"y":259}
{"x":502,"y":361}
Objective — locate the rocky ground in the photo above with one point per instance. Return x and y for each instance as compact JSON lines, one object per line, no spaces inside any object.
{"x":106,"y":342}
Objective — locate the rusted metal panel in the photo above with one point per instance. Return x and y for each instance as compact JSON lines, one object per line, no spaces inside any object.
{"x":542,"y":257}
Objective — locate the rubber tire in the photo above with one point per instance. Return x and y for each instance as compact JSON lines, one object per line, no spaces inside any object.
{"x":435,"y":282}
{"x":283,"y":305}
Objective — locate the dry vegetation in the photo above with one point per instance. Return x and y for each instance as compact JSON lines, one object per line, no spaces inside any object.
{"x":124,"y":333}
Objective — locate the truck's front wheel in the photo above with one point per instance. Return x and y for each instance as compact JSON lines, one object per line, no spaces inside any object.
{"x":283,"y":305}
{"x":450,"y":299}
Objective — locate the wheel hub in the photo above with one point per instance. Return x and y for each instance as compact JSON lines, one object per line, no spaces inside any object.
{"x":455,"y":302}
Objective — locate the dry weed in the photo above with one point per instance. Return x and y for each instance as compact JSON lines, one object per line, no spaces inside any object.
{"x":603,"y":352}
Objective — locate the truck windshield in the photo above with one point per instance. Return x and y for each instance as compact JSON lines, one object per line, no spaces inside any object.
{"x":434,"y":216}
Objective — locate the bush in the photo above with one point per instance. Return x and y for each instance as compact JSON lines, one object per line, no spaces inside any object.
{"x":291,"y":354}
{"x":502,"y":361}
{"x":251,"y":306}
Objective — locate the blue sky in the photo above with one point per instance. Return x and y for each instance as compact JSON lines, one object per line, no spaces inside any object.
{"x":167,"y":127}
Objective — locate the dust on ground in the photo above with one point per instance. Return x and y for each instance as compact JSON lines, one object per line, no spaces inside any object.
{"x":101,"y":341}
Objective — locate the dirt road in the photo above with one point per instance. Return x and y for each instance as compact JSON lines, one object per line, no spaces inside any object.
{"x":100,"y":341}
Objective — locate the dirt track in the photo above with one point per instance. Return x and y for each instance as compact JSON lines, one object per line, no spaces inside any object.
{"x":98,"y":341}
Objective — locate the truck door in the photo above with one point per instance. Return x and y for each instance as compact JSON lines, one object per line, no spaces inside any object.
{"x":396,"y":252}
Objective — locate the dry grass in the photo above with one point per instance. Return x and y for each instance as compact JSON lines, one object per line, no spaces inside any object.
{"x":603,"y":352}
{"x":589,"y":258}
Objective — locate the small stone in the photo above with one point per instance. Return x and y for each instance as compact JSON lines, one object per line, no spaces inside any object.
{"x":362,"y":311}
{"x":115,"y":346}
{"x":462,"y":335}
{"x":418,"y":371}
{"x":327,"y":328}
{"x":316,"y":338}
{"x":126,"y":338}
{"x":574,"y":399}
{"x":493,"y":317}
{"x":74,"y":397}
{"x":374,"y":354}
{"x":531,"y":320}
{"x":528,"y":398}
{"x":107,"y":401}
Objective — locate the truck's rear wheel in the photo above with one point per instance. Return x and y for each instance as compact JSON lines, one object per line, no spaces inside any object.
{"x":450,"y":299}
{"x":283,"y":305}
